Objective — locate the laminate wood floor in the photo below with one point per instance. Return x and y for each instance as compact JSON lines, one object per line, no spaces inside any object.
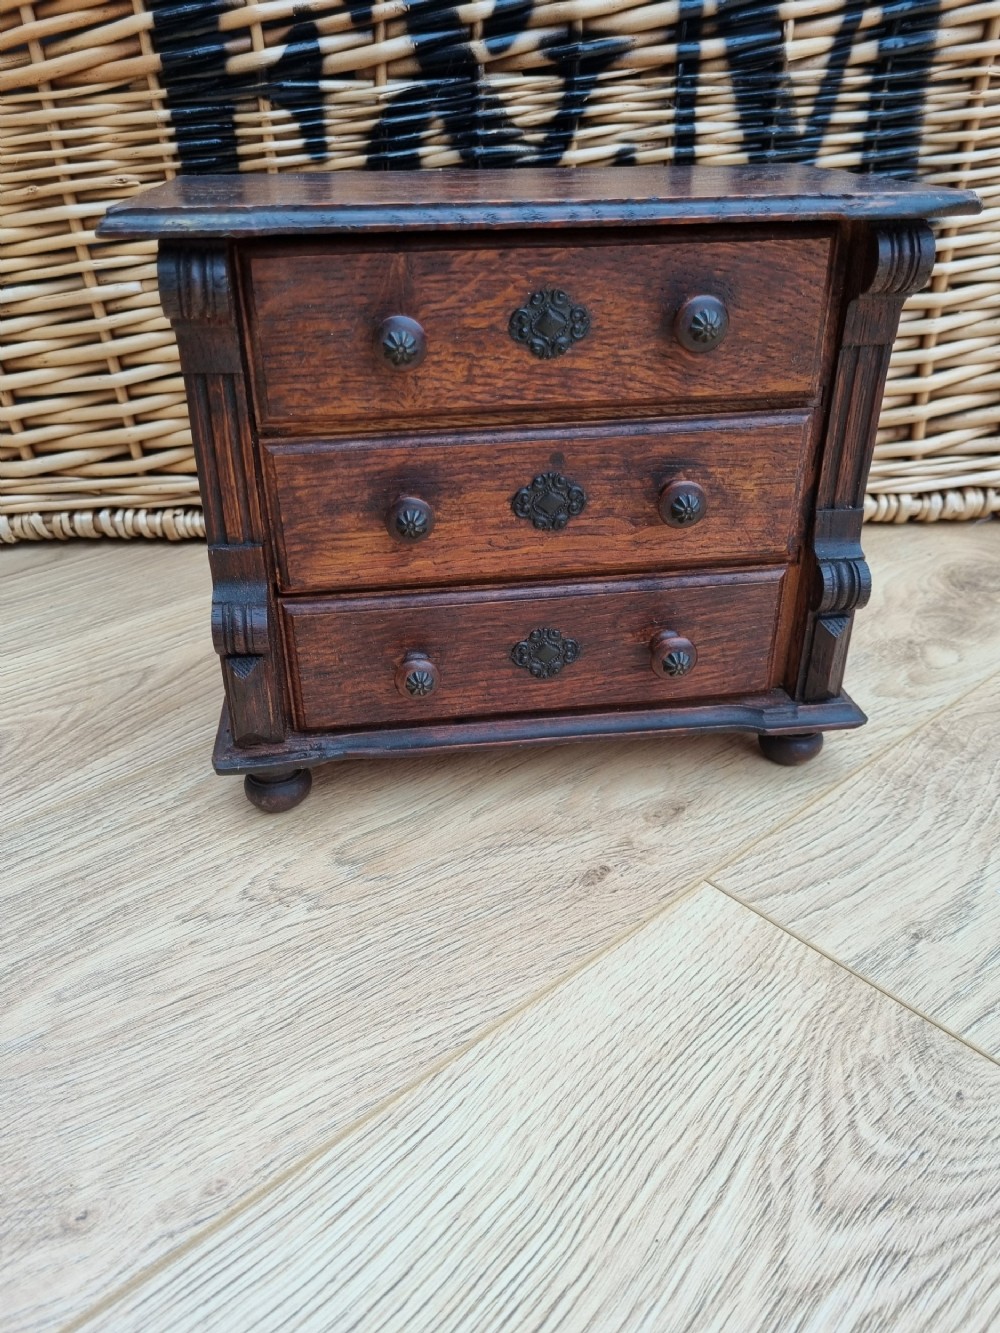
{"x":612,"y":1036}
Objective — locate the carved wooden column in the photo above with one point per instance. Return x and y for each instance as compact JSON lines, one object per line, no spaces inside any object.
{"x":886,"y":264}
{"x":198,"y":294}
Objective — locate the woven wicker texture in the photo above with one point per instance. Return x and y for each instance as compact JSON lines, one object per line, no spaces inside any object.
{"x":104,"y":97}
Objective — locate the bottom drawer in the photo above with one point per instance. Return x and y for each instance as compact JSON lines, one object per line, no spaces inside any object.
{"x":362,"y":661}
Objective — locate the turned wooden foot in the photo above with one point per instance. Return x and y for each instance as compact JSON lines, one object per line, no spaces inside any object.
{"x":791,"y":750}
{"x":279,"y":791}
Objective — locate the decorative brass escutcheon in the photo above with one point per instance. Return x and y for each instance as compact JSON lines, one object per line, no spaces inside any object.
{"x":549,"y":502}
{"x":549,"y":323}
{"x":544,"y":653}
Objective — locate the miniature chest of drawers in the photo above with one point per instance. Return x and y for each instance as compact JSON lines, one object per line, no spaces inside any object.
{"x":522,"y":456}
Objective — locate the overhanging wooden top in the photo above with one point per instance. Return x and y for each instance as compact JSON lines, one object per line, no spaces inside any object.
{"x":258,"y":204}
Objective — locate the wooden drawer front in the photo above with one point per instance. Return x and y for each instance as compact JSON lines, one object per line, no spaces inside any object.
{"x":346,"y":653}
{"x":509,"y":505}
{"x":317,"y":314}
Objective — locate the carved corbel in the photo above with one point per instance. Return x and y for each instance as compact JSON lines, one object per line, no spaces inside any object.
{"x":244,"y":638}
{"x":240,"y":628}
{"x":842,"y":583}
{"x":885,"y":264}
{"x":194,"y":283}
{"x":199,"y":294}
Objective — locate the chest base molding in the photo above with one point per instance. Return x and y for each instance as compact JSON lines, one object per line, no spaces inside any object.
{"x":771,"y":714}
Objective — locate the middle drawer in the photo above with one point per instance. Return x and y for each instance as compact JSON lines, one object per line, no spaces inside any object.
{"x":398,"y":512}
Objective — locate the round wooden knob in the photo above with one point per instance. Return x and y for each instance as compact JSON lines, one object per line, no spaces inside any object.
{"x":701,"y":323}
{"x":410,"y":519}
{"x":402,"y":342}
{"x":416,"y":676}
{"x":671,"y":655}
{"x":682,"y":504}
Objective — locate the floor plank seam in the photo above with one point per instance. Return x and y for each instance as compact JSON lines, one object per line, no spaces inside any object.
{"x":481,"y":1035}
{"x":647,"y":894}
{"x":846,"y":967}
{"x":851,"y":777}
{"x":303,"y":1163}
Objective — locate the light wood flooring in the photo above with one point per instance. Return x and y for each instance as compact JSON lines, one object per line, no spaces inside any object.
{"x":630,"y":1036}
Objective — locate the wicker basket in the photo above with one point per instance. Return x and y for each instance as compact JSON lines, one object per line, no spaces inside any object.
{"x":104,"y":97}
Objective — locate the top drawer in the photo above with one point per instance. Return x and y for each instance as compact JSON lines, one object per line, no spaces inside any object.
{"x":345,"y":334}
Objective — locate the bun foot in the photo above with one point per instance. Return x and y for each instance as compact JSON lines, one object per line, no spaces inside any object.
{"x":279,"y":791}
{"x":791,"y":750}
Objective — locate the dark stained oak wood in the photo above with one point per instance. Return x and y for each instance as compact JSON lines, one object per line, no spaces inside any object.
{"x":790,"y":751}
{"x":330,"y":501}
{"x":773,"y":713}
{"x":274,"y":793}
{"x":501,"y":458}
{"x":351,"y":201}
{"x":345,"y":651}
{"x":198,"y":293}
{"x":336,"y":303}
{"x":888,"y":262}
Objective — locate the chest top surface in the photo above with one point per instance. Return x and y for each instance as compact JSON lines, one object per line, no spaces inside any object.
{"x":458,"y":199}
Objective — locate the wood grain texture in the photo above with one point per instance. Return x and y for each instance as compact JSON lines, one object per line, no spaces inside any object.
{"x":362,"y":334}
{"x":251,"y":204}
{"x":199,"y":296}
{"x":190,"y":1000}
{"x":898,"y":873}
{"x":344,"y":651}
{"x":693,"y":1133}
{"x":366,"y":335}
{"x":931,"y":631}
{"x":885,"y":265}
{"x":773,"y":713}
{"x":330,"y":501}
{"x":193,"y":997}
{"x":333,"y":302}
{"x":198,"y":290}
{"x":103,"y":646}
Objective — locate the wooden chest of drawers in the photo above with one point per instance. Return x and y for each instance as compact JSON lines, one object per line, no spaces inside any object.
{"x":500,"y":457}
